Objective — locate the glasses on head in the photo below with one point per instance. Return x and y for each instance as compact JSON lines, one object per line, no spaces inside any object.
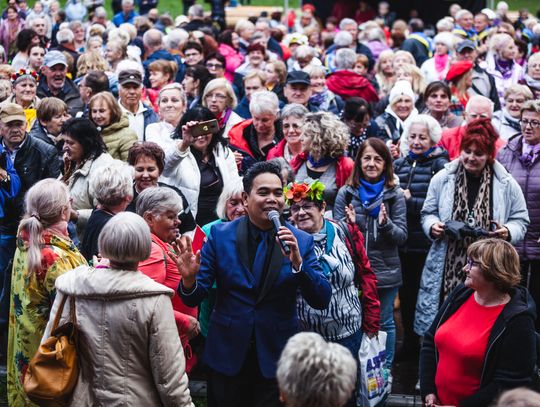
{"x":217,"y":96}
{"x":533,"y":123}
{"x":295,"y":208}
{"x":214,"y":66}
{"x":471,"y":263}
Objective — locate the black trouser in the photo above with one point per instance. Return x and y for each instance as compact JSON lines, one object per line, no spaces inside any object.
{"x":412,"y":264}
{"x":247,"y":389}
{"x":530,"y":278}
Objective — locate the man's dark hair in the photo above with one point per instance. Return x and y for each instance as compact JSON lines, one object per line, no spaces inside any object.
{"x":98,"y":81}
{"x":193,"y":45}
{"x":258,"y":169}
{"x":24,"y":39}
{"x":416,"y":25}
{"x":218,"y":56}
{"x":86,"y":133}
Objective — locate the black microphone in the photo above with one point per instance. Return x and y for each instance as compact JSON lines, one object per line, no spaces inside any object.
{"x":273,"y":216}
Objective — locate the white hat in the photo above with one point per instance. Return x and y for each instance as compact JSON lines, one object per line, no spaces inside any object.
{"x":489,"y":13}
{"x":401,"y":88}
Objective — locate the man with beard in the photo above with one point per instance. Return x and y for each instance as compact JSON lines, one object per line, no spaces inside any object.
{"x":55,"y":83}
{"x":33,"y":160}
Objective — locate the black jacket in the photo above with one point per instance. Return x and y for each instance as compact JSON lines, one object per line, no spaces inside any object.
{"x":511,"y":351}
{"x":36,"y":160}
{"x":69,"y":94}
{"x":415,"y":176}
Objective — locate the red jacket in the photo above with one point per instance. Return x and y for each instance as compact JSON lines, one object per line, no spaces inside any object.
{"x":451,"y":141}
{"x":278,"y":150}
{"x":348,"y":84}
{"x":344,"y":167}
{"x":371,"y":306}
{"x":236,"y":136}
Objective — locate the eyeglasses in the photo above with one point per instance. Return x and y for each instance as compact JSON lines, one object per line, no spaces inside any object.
{"x":533,"y":123}
{"x":295,"y":208}
{"x":214,"y":66}
{"x":217,"y":96}
{"x":471,"y":263}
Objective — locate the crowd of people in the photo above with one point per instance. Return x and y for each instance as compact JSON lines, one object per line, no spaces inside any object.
{"x":143,"y":159}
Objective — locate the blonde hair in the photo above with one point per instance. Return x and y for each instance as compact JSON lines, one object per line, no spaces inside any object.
{"x":418,"y":84}
{"x":45,"y":203}
{"x":499,"y":262}
{"x":220,"y":83}
{"x":91,"y":61}
{"x":329,"y":135}
{"x":519,"y":90}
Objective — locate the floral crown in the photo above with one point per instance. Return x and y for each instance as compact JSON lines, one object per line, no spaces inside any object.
{"x":311,"y":190}
{"x":24,"y":72}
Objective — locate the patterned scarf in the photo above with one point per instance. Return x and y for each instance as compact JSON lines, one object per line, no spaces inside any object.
{"x":371,"y":196}
{"x":504,"y":67}
{"x":456,"y":254}
{"x":318,"y":99}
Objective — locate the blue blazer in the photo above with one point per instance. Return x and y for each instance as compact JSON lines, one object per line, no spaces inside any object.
{"x":247,"y":308}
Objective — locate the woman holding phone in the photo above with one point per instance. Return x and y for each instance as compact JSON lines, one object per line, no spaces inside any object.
{"x":200,"y":163}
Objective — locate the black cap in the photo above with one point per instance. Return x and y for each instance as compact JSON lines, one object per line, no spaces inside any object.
{"x":299,"y":77}
{"x":130,"y":76}
{"x":464,"y":45}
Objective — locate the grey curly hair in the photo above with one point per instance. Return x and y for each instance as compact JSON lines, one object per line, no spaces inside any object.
{"x":329,"y":135}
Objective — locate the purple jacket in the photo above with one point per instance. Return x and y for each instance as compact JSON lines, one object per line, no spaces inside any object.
{"x":529,"y":181}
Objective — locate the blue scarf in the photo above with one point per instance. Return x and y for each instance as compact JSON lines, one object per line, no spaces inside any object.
{"x":425,"y":154}
{"x":321,"y":162}
{"x":371,"y":196}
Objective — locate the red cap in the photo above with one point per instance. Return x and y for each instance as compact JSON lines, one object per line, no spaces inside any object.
{"x":458,"y":68}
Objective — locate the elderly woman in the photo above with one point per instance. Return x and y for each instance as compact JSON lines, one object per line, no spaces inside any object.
{"x":252,"y":139}
{"x":347,"y":83}
{"x":357,"y":115}
{"x":400,"y":108}
{"x":507,"y":120}
{"x":500,"y":63}
{"x":200,"y":165}
{"x":84,"y":153}
{"x":276,"y":73}
{"x":229,"y":47}
{"x":255,"y":59}
{"x":10,"y":26}
{"x":230,"y":206}
{"x":312,"y":371}
{"x":148,"y":161}
{"x":107,"y":296}
{"x":51,"y":114}
{"x":473,"y":190}
{"x":24,"y":83}
{"x":532,"y":77}
{"x":496,"y":346}
{"x":323,"y":98}
{"x":324,"y":143}
{"x":413,"y":74}
{"x":378,"y":202}
{"x":115,"y":51}
{"x":422,"y":160}
{"x":346,"y":318}
{"x":172,"y":105}
{"x":44,"y":252}
{"x":219,"y":98}
{"x":160,"y":73}
{"x":435,"y":68}
{"x":292,"y":116}
{"x":520,"y":158}
{"x":160,"y":207}
{"x":105,"y":112}
{"x":437,"y":98}
{"x":459,"y":79}
{"x":194,"y":83}
{"x":112,"y":189}
{"x":385,"y":74}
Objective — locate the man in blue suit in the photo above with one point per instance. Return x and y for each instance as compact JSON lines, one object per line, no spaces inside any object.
{"x":257,"y":284}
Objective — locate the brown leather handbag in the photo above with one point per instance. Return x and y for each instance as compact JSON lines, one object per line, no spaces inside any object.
{"x":54,"y":369}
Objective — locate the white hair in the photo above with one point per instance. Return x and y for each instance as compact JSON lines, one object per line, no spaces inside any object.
{"x":175,"y":38}
{"x":445,"y":38}
{"x":499,"y":42}
{"x":229,"y":190}
{"x":125,"y":239}
{"x":343,"y":39}
{"x":345,"y":58}
{"x":295,"y":110}
{"x":264,"y":102}
{"x":479,"y":99}
{"x":313,"y":372}
{"x":304,"y":51}
{"x":445,"y":25}
{"x":65,"y":36}
{"x":112,"y":184}
{"x":130,"y":2}
{"x":432,"y":125}
{"x":196,"y":11}
{"x":118,"y":34}
{"x":461,"y":13}
{"x":158,"y":200}
{"x":345,"y":22}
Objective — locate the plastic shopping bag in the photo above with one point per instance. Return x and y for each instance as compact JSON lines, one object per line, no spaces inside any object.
{"x":375,"y":379}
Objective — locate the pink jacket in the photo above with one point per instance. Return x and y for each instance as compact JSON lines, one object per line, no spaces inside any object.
{"x":233,"y":60}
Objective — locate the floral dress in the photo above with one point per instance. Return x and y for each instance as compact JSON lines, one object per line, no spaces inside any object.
{"x":31,"y":302}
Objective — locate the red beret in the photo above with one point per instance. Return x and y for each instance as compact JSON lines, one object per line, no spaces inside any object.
{"x":457,"y":69}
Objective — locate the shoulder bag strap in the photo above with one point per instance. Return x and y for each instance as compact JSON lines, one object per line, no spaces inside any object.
{"x":59,"y":313}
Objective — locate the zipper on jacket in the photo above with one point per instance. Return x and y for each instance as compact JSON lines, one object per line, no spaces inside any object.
{"x":411,"y":174}
{"x":525,"y":194}
{"x":487,"y":354}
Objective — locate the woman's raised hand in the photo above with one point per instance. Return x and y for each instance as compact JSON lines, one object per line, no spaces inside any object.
{"x":350,"y":214}
{"x":383,"y":215}
{"x":188,"y":263}
{"x":187,"y":137}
